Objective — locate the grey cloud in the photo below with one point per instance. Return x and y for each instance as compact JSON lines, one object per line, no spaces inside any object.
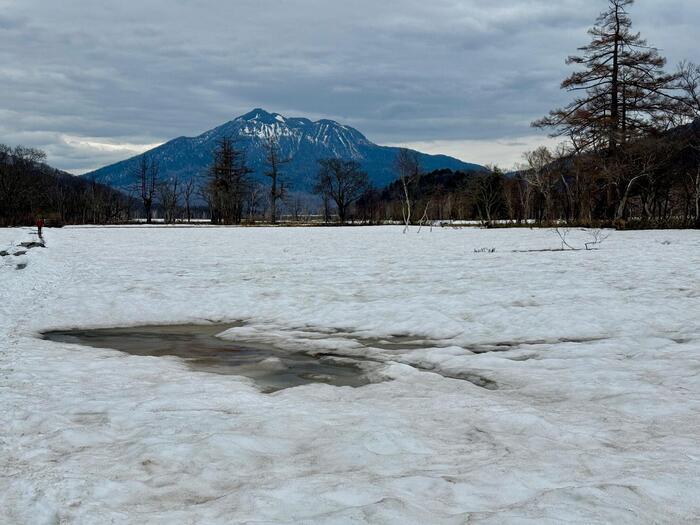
{"x":142,"y":72}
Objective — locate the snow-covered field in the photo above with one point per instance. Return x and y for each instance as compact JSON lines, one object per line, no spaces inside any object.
{"x":595,"y":419}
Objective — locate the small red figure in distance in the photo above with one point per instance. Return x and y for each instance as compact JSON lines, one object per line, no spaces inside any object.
{"x":40,"y":225}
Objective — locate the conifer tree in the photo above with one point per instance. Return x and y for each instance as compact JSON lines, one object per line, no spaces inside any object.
{"x":228,"y":182}
{"x":622,"y":89}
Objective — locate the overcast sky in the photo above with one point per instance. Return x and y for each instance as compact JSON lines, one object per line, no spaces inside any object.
{"x":93,"y":81}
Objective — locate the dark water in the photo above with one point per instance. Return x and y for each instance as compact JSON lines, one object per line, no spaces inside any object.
{"x":270,"y":368}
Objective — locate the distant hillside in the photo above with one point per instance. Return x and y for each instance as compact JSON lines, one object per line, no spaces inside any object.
{"x":300,"y":139}
{"x":34,"y":189}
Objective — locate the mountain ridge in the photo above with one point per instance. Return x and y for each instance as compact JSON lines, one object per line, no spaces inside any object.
{"x":300,"y":139}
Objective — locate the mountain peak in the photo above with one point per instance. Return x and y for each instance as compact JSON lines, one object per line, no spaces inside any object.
{"x":260,"y":115}
{"x":299,"y":139}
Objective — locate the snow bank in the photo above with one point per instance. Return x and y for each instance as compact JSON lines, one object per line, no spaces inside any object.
{"x":592,"y":415}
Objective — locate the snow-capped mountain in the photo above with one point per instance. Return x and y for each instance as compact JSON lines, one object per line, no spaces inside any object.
{"x":300,"y":139}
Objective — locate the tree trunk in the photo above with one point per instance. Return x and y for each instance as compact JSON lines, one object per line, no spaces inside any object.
{"x":623,"y":202}
{"x":406,"y":206}
{"x":273,"y":200}
{"x":697,"y":199}
{"x":615,"y":85}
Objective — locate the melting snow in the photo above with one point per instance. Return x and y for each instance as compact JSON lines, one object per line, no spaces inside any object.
{"x":593,"y":359}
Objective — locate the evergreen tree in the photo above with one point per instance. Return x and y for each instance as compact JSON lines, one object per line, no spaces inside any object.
{"x":228,"y":182}
{"x":625,"y":91}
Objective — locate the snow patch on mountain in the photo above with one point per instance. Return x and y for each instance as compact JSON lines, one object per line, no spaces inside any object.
{"x":300,"y":139}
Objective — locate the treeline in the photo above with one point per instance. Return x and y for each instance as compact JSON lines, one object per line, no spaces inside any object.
{"x":30,"y":189}
{"x":444,"y":195}
{"x":650,"y":182}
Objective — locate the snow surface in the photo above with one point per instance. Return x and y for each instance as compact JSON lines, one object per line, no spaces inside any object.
{"x":595,"y":418}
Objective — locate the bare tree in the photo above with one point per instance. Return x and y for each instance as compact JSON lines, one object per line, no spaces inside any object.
{"x":408,"y":167}
{"x":540,"y":174}
{"x":169,"y":192}
{"x":255,"y":199}
{"x":487,"y":189}
{"x":207,"y":195}
{"x":188,"y":191}
{"x":326,"y":202}
{"x":296,"y":207}
{"x":688,"y":84}
{"x":596,"y":237}
{"x":343,"y":181}
{"x":640,"y":163}
{"x":146,"y":174}
{"x":424,"y":217}
{"x":274,"y":164}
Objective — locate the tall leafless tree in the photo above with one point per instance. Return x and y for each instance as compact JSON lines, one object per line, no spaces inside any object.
{"x":541,"y":175}
{"x":255,"y":200}
{"x":638,"y":168}
{"x":407,"y":165}
{"x":688,"y":83}
{"x":343,"y":181}
{"x":487,"y":189}
{"x":146,"y":174}
{"x":274,"y":165}
{"x":188,"y":192}
{"x":169,"y":192}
